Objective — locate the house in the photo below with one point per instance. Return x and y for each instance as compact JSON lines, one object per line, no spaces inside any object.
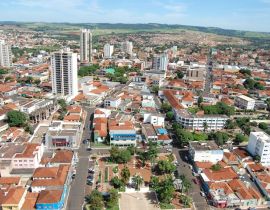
{"x":154,"y":118}
{"x":222,"y":175}
{"x":13,"y":198}
{"x":207,"y":151}
{"x":30,"y":201}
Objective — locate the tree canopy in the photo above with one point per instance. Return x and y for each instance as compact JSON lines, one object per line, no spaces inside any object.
{"x":16,"y":118}
{"x":219,"y":108}
{"x":88,"y":70}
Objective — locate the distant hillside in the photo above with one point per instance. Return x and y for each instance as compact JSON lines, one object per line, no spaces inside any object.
{"x":129,"y":28}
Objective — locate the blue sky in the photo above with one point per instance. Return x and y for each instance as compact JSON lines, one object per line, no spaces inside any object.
{"x":233,"y":14}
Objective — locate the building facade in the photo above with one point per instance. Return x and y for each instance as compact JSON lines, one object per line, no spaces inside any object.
{"x":64,"y":73}
{"x":5,"y":54}
{"x":127,"y":47}
{"x":108,"y":50}
{"x":86,"y":45}
{"x":245,"y":102}
{"x":259,"y":144}
{"x":160,"y":62}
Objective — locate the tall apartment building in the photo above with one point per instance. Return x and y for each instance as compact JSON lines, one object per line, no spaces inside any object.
{"x":259,"y":144}
{"x":108,"y":50}
{"x":86,"y":45}
{"x":64,"y":73}
{"x":160,"y":62}
{"x":5,"y":54}
{"x":127,"y":47}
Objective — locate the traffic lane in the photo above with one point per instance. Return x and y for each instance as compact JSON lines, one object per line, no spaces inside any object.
{"x":184,"y":168}
{"x":77,"y":190}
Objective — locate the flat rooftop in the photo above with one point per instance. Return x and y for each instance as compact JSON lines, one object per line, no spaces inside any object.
{"x":262,"y":135}
{"x":205,"y":145}
{"x":246,"y":98}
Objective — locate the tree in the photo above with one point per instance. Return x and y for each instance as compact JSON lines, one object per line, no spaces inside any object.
{"x":116,"y":182}
{"x":113,"y":198}
{"x":186,"y":184}
{"x":119,"y":156}
{"x":143,"y":157}
{"x":165,"y":190}
{"x":138,"y":181}
{"x":246,"y":72}
{"x":3,"y":71}
{"x":95,"y":200}
{"x":257,"y":158}
{"x":205,"y":126}
{"x":180,"y":75}
{"x":170,"y":115}
{"x":152,"y":152}
{"x":200,"y":136}
{"x":184,"y":136}
{"x":219,"y":108}
{"x":239,"y":138}
{"x":155,"y":89}
{"x":230,"y":124}
{"x":263,"y":126}
{"x":154,"y":181}
{"x":219,"y":137}
{"x":16,"y":118}
{"x":216,"y":167}
{"x":165,"y":107}
{"x":164,"y":166}
{"x":125,"y":175}
{"x":37,"y":81}
{"x":200,"y":100}
{"x":186,"y":200}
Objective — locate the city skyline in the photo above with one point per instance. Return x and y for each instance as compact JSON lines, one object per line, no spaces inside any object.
{"x":251,"y":15}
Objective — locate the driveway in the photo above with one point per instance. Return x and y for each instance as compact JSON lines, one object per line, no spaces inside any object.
{"x":138,"y":201}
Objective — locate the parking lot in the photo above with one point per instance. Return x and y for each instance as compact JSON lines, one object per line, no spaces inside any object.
{"x":138,"y":201}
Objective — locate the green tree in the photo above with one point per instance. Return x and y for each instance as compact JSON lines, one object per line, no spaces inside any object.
{"x":200,"y":136}
{"x":165,"y":190}
{"x":263,"y":126}
{"x":216,"y":167}
{"x":165,"y":107}
{"x":152,"y":152}
{"x":116,"y":182}
{"x":125,"y":175}
{"x":230,"y":124}
{"x":16,"y":118}
{"x":164,"y":166}
{"x":186,"y":184}
{"x":200,"y":100}
{"x":3,"y":71}
{"x":186,"y":200}
{"x":183,"y":136}
{"x":155,"y":89}
{"x":95,"y":200}
{"x":205,"y":126}
{"x":246,"y":72}
{"x":112,"y":201}
{"x":138,"y":181}
{"x":170,"y":115}
{"x":154,"y":181}
{"x":239,"y":138}
{"x":143,"y":157}
{"x":219,"y":137}
{"x":180,"y":75}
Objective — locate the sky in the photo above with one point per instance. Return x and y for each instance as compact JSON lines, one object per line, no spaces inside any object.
{"x":253,"y":15}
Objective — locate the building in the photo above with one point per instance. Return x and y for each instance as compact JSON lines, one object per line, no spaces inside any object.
{"x":245,"y":102}
{"x":5,"y":54}
{"x":155,"y":119}
{"x":12,"y":198}
{"x":160,"y":62}
{"x":259,"y":144}
{"x":195,"y":74}
{"x":198,"y":122}
{"x":113,"y":102}
{"x":122,"y":133}
{"x":64,"y":73}
{"x":86,"y":46}
{"x":62,"y":134}
{"x":108,"y":50}
{"x":207,"y":151}
{"x":127,"y":47}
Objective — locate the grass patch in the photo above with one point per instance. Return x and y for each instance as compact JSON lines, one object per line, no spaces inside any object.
{"x":193,"y":110}
{"x":166,"y":206}
{"x":99,"y":144}
{"x":114,"y":208}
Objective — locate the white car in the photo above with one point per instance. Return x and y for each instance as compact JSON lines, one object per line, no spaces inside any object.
{"x":202,"y":194}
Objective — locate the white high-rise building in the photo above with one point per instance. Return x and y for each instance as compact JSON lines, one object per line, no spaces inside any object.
{"x":160,"y":62}
{"x":64,"y":73}
{"x":5,"y":54}
{"x":108,"y":50}
{"x":259,"y":144}
{"x":127,"y":47}
{"x":86,"y":45}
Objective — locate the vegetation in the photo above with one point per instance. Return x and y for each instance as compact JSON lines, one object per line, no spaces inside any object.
{"x":219,"y":137}
{"x":95,"y":200}
{"x":88,"y":70}
{"x":165,"y":190}
{"x":117,"y":183}
{"x":16,"y":118}
{"x":216,"y":167}
{"x":186,"y":200}
{"x":138,"y":181}
{"x":125,"y":175}
{"x":251,"y":84}
{"x":170,"y":115}
{"x":186,"y":184}
{"x":245,"y":72}
{"x":121,"y":74}
{"x":180,"y":74}
{"x":239,"y":138}
{"x":166,"y":107}
{"x":244,"y":124}
{"x":119,"y":155}
{"x":165,"y":167}
{"x":112,"y":200}
{"x":230,"y":124}
{"x":219,"y":108}
{"x":63,"y":108}
{"x":155,"y":89}
{"x":3,"y":71}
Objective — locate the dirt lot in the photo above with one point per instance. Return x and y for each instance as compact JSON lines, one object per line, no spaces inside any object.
{"x":138,"y":201}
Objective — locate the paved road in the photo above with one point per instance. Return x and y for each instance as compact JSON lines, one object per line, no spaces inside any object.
{"x":77,"y":189}
{"x":183,"y":168}
{"x":208,"y":81}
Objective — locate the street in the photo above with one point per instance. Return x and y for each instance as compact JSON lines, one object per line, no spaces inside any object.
{"x":208,"y":80}
{"x":78,"y":185}
{"x":183,"y":168}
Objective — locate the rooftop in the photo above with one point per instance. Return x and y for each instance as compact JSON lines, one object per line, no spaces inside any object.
{"x":205,"y":145}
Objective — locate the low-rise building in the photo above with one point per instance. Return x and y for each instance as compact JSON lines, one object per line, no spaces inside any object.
{"x":154,"y":118}
{"x":205,"y":151}
{"x":245,"y":102}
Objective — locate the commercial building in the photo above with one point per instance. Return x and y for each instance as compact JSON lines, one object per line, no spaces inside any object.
{"x":108,"y":50}
{"x":5,"y":54}
{"x":205,"y":151}
{"x":259,"y":144}
{"x":155,"y":118}
{"x":113,"y":102}
{"x":198,"y":122}
{"x":160,"y":62}
{"x":245,"y":102}
{"x":86,"y":46}
{"x":64,"y":73}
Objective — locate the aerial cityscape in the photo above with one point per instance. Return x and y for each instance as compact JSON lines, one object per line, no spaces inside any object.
{"x":132,"y":105}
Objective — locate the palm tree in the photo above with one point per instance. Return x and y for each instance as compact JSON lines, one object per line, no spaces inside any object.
{"x":138,"y":180}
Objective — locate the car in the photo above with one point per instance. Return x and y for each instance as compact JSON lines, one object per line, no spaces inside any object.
{"x":195,"y":181}
{"x":202,"y":194}
{"x":73,"y":175}
{"x":91,"y":170}
{"x":89,"y":182}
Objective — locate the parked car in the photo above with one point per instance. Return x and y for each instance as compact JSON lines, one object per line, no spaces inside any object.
{"x":195,"y":181}
{"x":202,"y":194}
{"x":73,"y":175}
{"x":88,"y":182}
